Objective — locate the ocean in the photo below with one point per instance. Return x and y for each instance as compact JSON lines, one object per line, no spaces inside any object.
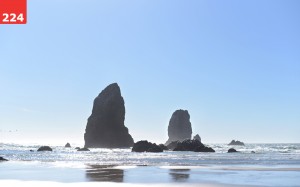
{"x":253,"y":165}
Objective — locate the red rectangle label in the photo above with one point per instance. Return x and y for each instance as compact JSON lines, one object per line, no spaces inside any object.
{"x":13,"y":11}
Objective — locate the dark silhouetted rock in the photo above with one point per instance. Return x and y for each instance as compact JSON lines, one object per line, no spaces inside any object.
{"x":172,"y":145}
{"x":45,"y":148}
{"x":252,"y":151}
{"x":231,"y":150}
{"x":192,"y":145}
{"x":68,"y":145}
{"x":105,"y":127}
{"x":180,"y":127}
{"x":233,"y":142}
{"x":145,"y":146}
{"x":165,"y":148}
{"x":3,"y":159}
{"x":77,"y":148}
{"x":204,"y":149}
{"x":31,"y":150}
{"x":197,"y":137}
{"x":83,"y":149}
{"x":187,"y":145}
{"x":155,"y":149}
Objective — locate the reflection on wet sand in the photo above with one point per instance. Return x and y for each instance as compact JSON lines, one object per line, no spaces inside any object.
{"x":104,"y":174}
{"x":180,"y":175}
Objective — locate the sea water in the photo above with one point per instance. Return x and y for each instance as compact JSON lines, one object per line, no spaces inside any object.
{"x":254,"y":164}
{"x":264,"y":154}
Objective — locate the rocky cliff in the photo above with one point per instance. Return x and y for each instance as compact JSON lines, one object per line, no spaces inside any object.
{"x":105,"y":127}
{"x":180,"y":127}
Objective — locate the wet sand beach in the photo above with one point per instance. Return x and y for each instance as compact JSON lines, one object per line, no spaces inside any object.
{"x":66,"y":174}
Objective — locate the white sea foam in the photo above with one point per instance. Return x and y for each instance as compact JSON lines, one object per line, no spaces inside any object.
{"x":182,"y":167}
{"x":124,"y":167}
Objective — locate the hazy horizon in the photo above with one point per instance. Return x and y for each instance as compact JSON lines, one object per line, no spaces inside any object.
{"x":234,"y":65}
{"x":75,"y":143}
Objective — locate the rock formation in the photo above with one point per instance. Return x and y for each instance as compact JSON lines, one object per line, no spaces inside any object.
{"x":105,"y":127}
{"x":233,"y":142}
{"x":231,"y":150}
{"x":180,"y":127}
{"x":45,"y":148}
{"x":197,"y":137}
{"x":83,"y":149}
{"x":172,"y":145}
{"x":165,"y":148}
{"x":192,"y":145}
{"x":203,"y":148}
{"x":68,"y":145}
{"x":3,"y":159}
{"x":145,"y":146}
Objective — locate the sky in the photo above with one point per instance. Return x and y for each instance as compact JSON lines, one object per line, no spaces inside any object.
{"x":234,"y":65}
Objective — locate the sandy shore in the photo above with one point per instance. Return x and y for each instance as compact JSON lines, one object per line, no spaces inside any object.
{"x":14,"y":183}
{"x":64,"y":174}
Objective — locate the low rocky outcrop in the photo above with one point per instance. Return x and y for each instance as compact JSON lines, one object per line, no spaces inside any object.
{"x":197,"y":137}
{"x":172,"y":145}
{"x":68,"y":145}
{"x":105,"y":127}
{"x":204,"y":149}
{"x":145,"y":146}
{"x":45,"y":148}
{"x":165,"y":148}
{"x":192,"y":145}
{"x":83,"y":149}
{"x":2,"y":159}
{"x":155,"y":149}
{"x":233,"y":142}
{"x":180,"y":127}
{"x":232,"y":150}
{"x":77,"y":148}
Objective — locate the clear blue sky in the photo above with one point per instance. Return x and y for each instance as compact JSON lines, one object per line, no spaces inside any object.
{"x":234,"y":65}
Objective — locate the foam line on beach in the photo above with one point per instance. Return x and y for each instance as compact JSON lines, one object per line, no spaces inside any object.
{"x":183,"y":167}
{"x":124,"y":167}
{"x":258,"y":169}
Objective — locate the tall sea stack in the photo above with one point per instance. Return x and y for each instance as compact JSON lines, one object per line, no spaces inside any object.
{"x":180,"y":127}
{"x":105,"y":127}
